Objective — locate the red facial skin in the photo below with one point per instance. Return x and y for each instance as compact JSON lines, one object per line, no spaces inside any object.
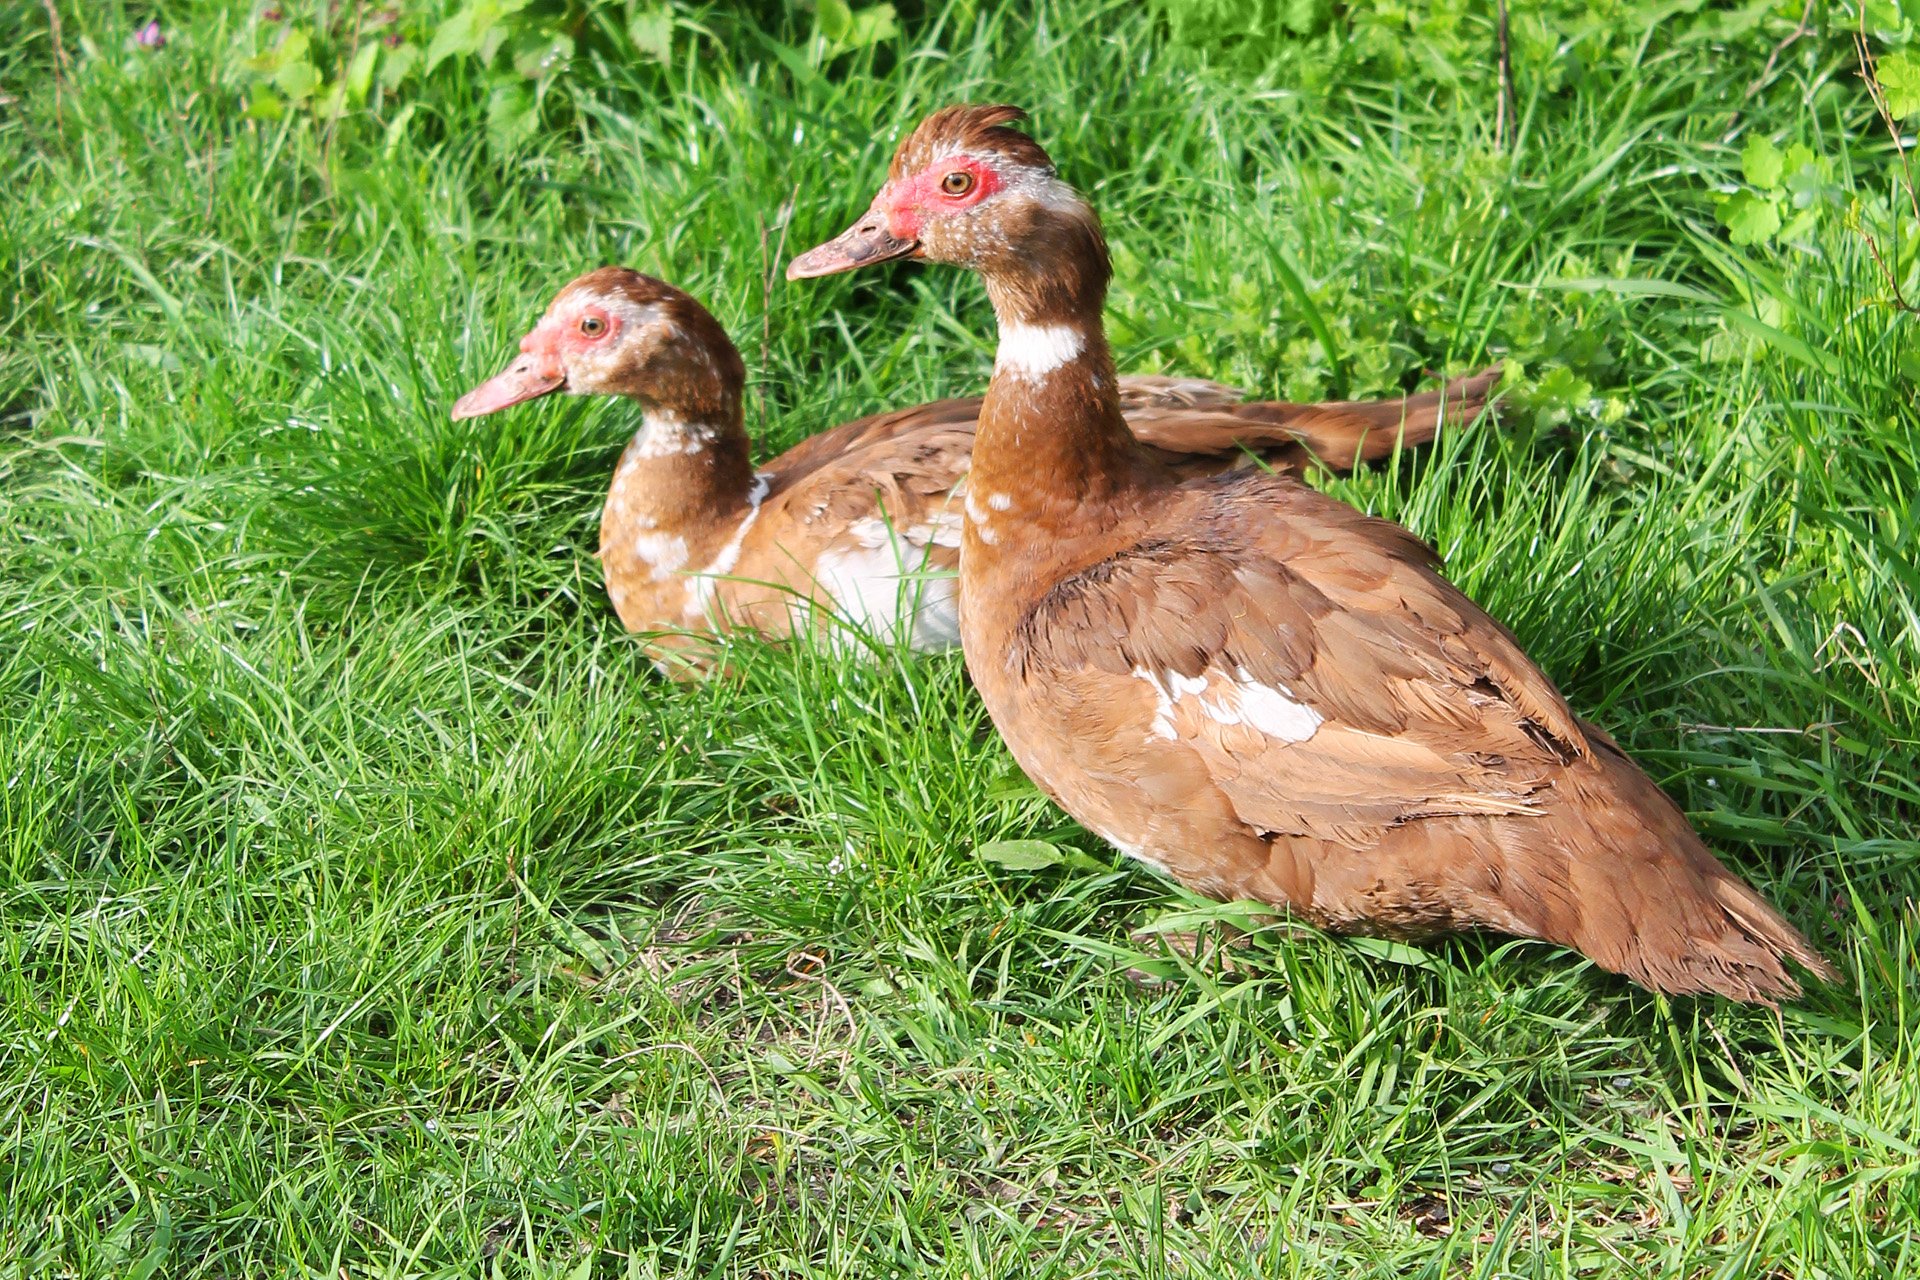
{"x":893,"y":225}
{"x":542,"y":366}
{"x":566,"y":333}
{"x":907,"y":202}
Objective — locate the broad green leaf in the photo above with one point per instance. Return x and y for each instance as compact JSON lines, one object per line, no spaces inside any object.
{"x":263,"y":103}
{"x":873,"y":24}
{"x":1021,"y":855}
{"x":461,"y":33}
{"x":651,"y":31}
{"x":1017,"y":787}
{"x":477,"y":29}
{"x":292,"y":48}
{"x":359,"y":78}
{"x":161,"y":1246}
{"x":297,"y":80}
{"x":1806,"y":182}
{"x":1564,"y":389}
{"x":1306,"y":17}
{"x":797,"y":62}
{"x":399,"y":61}
{"x":1800,"y":225}
{"x":1762,"y":162}
{"x":1884,"y":17}
{"x":1909,"y":364}
{"x":538,"y":55}
{"x":850,"y":28}
{"x":1393,"y":952}
{"x":1750,"y":219}
{"x":496,"y":35}
{"x":1900,"y":80}
{"x":835,"y":18}
{"x":512,"y":116}
{"x":332,"y":102}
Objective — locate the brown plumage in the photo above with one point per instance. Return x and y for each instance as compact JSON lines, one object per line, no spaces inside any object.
{"x":862,"y":520}
{"x":1252,"y":686}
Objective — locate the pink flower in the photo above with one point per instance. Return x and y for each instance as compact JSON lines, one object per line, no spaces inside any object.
{"x":150,"y":36}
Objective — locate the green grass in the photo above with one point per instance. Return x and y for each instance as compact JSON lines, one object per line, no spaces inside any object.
{"x":368,"y":908}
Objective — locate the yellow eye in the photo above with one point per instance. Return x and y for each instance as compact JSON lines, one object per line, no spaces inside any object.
{"x":592,"y":326}
{"x":957,"y":183}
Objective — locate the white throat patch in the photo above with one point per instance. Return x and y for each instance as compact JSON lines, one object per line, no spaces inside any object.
{"x":1035,"y":350}
{"x":664,"y":435}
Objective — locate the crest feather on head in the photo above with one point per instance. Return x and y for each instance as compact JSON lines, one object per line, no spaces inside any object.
{"x":969,"y":127}
{"x":624,"y":282}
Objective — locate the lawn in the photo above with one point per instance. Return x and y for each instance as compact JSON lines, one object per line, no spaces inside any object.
{"x":370,"y":908}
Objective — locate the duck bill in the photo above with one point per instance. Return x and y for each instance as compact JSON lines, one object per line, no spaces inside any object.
{"x":527,"y":378}
{"x":863,"y":244}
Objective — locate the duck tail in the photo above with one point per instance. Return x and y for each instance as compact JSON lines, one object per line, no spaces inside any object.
{"x":1347,"y":433}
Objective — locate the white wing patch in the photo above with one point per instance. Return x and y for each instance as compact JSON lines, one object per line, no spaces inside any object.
{"x":1231,"y":699}
{"x":880,"y":583}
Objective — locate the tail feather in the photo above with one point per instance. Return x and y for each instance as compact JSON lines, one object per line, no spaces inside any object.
{"x":1768,"y":928}
{"x":1688,"y":928}
{"x":1658,"y":906}
{"x":1346,"y":433}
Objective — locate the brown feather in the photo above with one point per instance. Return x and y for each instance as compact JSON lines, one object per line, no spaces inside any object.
{"x":1260,"y":690}
{"x":897,"y":477}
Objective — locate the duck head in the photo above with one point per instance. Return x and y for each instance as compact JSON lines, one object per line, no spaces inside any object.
{"x":617,"y":332}
{"x":967,"y":190}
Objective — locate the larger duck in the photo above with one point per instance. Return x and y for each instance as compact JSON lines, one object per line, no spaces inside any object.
{"x":1255,"y":687}
{"x":859,"y":525}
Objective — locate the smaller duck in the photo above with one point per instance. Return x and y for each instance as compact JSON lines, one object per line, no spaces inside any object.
{"x":862,"y":523}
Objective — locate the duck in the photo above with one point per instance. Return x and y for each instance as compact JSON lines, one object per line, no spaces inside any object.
{"x":1250,"y":685}
{"x":855,"y":530}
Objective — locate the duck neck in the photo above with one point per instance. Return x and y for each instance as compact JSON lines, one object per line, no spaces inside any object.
{"x":1051,"y":422}
{"x":687,"y":470}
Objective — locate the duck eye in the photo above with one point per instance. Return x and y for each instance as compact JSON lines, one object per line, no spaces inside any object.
{"x":592,"y":326}
{"x":957,"y":183}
